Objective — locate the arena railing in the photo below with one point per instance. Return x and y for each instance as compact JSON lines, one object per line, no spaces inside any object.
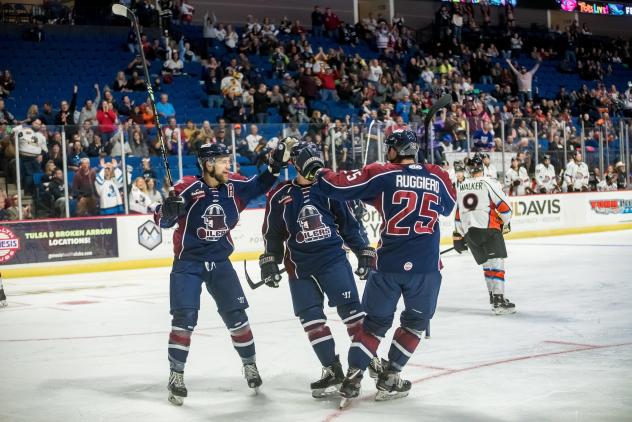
{"x":345,"y":145}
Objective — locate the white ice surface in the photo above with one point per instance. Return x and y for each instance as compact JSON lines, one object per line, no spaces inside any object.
{"x":565,"y":356}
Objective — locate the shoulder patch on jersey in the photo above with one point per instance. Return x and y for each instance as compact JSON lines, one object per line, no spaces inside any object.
{"x":184,"y":183}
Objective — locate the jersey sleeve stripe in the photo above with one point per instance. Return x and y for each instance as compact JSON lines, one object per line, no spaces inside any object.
{"x":351,"y":183}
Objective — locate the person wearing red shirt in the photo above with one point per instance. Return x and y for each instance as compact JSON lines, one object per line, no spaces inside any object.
{"x":107,"y":118}
{"x":328,"y":84}
{"x":332,"y":22}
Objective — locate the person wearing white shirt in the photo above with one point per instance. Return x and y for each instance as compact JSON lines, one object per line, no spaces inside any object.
{"x":516,"y":178}
{"x":488,"y":168}
{"x":607,"y":184}
{"x":545,"y":176}
{"x":375,"y":71}
{"x":254,"y":138}
{"x":577,"y":174}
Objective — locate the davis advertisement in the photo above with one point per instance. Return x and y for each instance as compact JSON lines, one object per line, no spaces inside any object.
{"x":58,"y":240}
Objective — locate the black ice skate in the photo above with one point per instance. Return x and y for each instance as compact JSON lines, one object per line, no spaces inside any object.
{"x":330,"y":381}
{"x":375,"y":367}
{"x":350,"y":388}
{"x":503,"y":306}
{"x":252,"y":376}
{"x":177,"y":389}
{"x":491,"y":299}
{"x":390,"y":386}
{"x":3,"y":299}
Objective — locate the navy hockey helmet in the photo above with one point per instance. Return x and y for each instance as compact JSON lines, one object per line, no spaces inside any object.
{"x":459,"y":165}
{"x":307,"y":159}
{"x":209,"y":152}
{"x":404,"y":142}
{"x":475,"y":163}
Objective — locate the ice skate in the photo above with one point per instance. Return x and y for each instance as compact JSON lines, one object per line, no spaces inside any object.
{"x":390,"y":386}
{"x":503,"y":306}
{"x":375,"y":367}
{"x":330,"y":381}
{"x":177,"y":389}
{"x":3,"y":299}
{"x":252,"y":376}
{"x":350,"y":388}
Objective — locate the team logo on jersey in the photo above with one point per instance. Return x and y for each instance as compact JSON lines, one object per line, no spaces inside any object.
{"x":312,"y":226}
{"x":9,"y":244}
{"x":408,"y":266}
{"x":415,"y":166}
{"x":215,"y":226}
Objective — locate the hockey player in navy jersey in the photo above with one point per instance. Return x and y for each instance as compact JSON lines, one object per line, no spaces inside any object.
{"x":409,"y":197}
{"x":205,"y":209}
{"x":307,"y":232}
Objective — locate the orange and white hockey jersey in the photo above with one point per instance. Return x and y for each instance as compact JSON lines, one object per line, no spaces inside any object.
{"x":481,"y":203}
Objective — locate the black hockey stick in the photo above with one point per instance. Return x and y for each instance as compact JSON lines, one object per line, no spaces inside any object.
{"x":251,"y":283}
{"x":447,"y":250}
{"x":120,"y":10}
{"x":442,"y":102}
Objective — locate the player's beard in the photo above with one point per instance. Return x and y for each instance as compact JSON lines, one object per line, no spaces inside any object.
{"x":217,"y":176}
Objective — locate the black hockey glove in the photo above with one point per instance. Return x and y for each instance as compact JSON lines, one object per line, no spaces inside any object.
{"x":516,"y":183}
{"x":270,"y":273}
{"x":459,"y":242}
{"x":172,"y":207}
{"x":281,"y":154}
{"x":506,"y":228}
{"x":366,"y":262}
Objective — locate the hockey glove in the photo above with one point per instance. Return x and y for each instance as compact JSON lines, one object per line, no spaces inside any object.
{"x":281,"y":154}
{"x":172,"y":207}
{"x":366,"y":262}
{"x":506,"y":228}
{"x":270,"y":273}
{"x":459,"y":242}
{"x":516,"y":183}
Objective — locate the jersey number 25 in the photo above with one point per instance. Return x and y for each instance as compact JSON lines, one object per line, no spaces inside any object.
{"x":410,"y":198}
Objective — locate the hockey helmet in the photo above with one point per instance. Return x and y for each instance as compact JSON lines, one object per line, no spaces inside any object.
{"x":404,"y":141}
{"x":209,"y":152}
{"x":459,"y":165}
{"x":475,"y":163}
{"x":307,"y":159}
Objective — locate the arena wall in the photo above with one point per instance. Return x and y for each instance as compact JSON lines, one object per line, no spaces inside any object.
{"x":64,"y":246}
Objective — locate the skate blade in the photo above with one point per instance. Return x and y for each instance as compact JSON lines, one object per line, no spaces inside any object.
{"x":332,"y":390}
{"x":504,"y":311}
{"x":344,"y":403}
{"x":175,"y":400}
{"x":385,"y":395}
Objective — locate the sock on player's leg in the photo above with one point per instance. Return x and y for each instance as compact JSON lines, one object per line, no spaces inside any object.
{"x":404,"y":344}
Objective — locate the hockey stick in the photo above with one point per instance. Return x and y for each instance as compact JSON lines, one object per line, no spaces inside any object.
{"x":120,"y":10}
{"x":447,"y":250}
{"x":442,"y":102}
{"x":251,"y":283}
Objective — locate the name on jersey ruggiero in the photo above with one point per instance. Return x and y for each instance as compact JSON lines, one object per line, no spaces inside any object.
{"x":420,"y":182}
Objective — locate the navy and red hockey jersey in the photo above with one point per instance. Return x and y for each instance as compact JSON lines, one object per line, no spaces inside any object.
{"x":313,"y":227}
{"x":409,"y":198}
{"x":203,"y":233}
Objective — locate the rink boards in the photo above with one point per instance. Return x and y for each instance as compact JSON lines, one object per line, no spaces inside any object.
{"x":64,"y":246}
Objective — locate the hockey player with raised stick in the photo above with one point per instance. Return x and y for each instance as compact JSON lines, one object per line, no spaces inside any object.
{"x":308,"y":231}
{"x":409,"y":197}
{"x":482,"y":217}
{"x":206,"y":208}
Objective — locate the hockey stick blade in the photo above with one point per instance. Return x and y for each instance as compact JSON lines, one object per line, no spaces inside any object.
{"x":120,"y":10}
{"x":442,"y":102}
{"x":251,"y":283}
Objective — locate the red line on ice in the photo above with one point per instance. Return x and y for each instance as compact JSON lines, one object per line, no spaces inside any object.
{"x":339,"y":412}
